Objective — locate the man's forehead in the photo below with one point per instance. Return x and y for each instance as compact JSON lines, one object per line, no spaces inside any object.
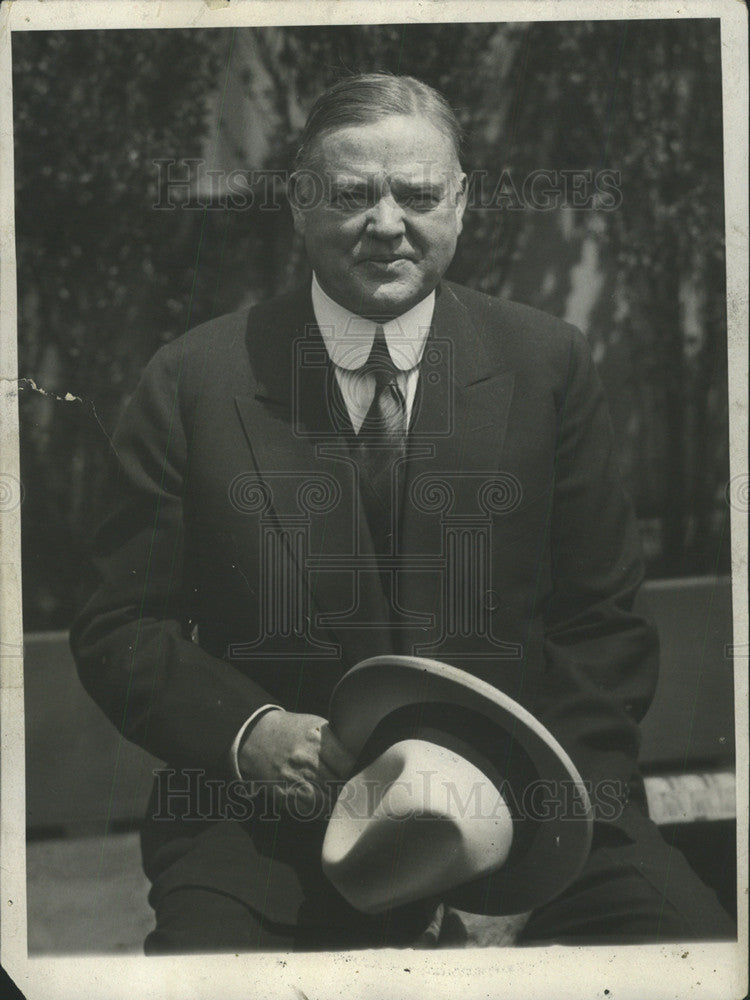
{"x":408,"y":145}
{"x":422,"y":173}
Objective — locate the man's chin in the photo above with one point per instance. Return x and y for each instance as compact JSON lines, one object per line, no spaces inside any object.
{"x":387,"y":299}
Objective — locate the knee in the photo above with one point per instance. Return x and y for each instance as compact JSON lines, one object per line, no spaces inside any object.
{"x":196,"y":920}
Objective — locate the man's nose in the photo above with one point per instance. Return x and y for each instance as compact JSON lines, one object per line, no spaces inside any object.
{"x":385,"y":220}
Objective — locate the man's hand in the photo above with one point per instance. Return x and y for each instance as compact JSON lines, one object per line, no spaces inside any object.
{"x":296,"y":753}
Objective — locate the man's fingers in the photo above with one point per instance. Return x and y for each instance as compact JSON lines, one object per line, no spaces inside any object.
{"x":334,"y":754}
{"x":313,"y":764}
{"x":329,"y":781}
{"x":311,"y":801}
{"x":312,"y":793}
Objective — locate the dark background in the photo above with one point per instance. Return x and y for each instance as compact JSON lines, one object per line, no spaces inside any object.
{"x":104,"y":277}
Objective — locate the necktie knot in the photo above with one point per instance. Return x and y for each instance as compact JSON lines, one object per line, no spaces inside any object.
{"x":379,"y":362}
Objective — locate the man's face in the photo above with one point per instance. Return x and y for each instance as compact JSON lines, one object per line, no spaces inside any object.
{"x":385,"y":211}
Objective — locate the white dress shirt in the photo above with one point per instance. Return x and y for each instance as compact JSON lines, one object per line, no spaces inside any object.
{"x":349,"y":339}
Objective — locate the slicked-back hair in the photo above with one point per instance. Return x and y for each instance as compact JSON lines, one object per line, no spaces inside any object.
{"x":370,"y":97}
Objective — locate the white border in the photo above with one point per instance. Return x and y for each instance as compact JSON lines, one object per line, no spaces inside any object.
{"x":654,"y":971}
{"x":41,"y":15}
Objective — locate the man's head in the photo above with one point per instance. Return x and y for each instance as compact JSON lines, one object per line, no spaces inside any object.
{"x":378,"y":194}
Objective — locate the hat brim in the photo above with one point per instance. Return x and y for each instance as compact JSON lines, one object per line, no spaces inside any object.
{"x":558,"y":844}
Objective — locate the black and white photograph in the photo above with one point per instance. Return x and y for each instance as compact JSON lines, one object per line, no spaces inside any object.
{"x":373,"y":500}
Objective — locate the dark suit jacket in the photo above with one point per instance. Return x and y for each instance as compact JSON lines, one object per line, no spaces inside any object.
{"x":238,"y":512}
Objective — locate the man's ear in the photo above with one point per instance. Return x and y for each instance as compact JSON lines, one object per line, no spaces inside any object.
{"x":462,"y":190}
{"x":298,"y":215}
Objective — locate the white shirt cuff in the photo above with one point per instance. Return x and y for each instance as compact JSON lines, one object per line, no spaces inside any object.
{"x":237,"y":742}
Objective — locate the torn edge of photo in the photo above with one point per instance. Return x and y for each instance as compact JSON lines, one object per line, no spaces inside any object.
{"x":419,"y":584}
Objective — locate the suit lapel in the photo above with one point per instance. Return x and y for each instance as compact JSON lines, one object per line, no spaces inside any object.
{"x":302,"y":457}
{"x":298,"y":441}
{"x":456,"y":439}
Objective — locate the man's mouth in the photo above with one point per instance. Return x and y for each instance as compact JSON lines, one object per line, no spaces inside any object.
{"x":386,"y":260}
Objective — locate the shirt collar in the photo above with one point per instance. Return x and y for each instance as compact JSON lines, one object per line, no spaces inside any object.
{"x":349,"y":338}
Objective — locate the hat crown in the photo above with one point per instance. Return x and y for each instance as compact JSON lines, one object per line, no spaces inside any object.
{"x":419,"y":820}
{"x":386,"y":699}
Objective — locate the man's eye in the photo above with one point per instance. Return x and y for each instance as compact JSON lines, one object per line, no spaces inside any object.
{"x":350,"y":199}
{"x":421,"y":201}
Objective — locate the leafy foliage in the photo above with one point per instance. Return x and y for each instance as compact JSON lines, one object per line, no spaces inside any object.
{"x":104,"y":279}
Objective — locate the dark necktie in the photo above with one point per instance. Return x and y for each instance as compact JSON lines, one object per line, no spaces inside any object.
{"x":381,"y":442}
{"x":385,"y":422}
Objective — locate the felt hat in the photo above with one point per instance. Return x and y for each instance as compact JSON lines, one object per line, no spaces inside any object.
{"x":459,"y":793}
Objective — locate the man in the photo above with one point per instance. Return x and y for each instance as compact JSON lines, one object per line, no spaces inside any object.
{"x":381,"y":461}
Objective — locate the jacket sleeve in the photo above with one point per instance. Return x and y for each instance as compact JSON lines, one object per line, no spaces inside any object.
{"x":601,"y":656}
{"x":131,"y":641}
